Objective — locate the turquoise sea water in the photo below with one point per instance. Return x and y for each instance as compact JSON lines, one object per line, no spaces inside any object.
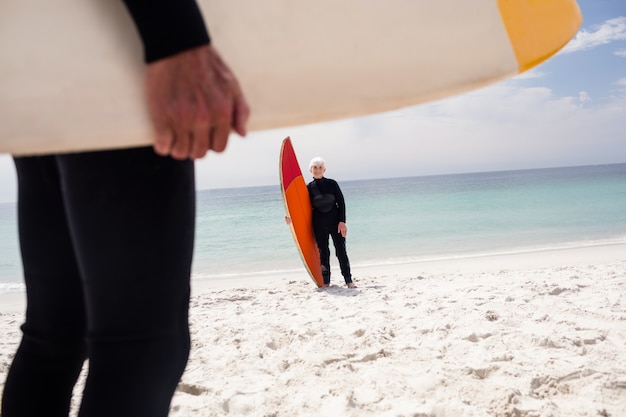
{"x":241,"y":231}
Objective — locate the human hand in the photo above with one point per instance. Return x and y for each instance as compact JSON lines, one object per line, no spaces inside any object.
{"x":343,"y":229}
{"x":288,"y":220}
{"x":194,"y":100}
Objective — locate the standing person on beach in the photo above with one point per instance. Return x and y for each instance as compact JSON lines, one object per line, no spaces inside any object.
{"x":107,"y":238}
{"x":329,"y":220}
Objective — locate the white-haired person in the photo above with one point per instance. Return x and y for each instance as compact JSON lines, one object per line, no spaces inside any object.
{"x":329,"y":220}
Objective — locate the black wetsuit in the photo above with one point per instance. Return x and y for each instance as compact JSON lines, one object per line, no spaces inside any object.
{"x":329,"y":209}
{"x":106,"y":240}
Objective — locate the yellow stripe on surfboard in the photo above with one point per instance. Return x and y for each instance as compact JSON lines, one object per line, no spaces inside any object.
{"x":536,"y":26}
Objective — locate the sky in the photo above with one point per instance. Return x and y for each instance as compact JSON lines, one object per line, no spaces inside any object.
{"x":568,"y":111}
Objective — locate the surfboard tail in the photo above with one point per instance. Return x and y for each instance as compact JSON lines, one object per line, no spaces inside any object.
{"x":539,"y":29}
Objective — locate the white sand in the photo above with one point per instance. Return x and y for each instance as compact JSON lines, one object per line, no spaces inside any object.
{"x":531,"y":335}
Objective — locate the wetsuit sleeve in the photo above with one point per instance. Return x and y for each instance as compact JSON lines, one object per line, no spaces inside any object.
{"x":341,"y":203}
{"x":167,"y":27}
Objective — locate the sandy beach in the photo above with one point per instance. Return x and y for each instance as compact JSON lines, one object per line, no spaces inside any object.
{"x":538,"y":334}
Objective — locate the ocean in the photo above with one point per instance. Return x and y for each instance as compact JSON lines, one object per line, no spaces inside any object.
{"x":241,"y":231}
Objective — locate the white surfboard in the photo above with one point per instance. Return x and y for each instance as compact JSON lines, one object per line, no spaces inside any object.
{"x":71,"y":71}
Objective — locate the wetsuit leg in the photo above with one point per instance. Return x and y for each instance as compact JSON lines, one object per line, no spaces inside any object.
{"x":132,"y":221}
{"x":321,"y":238}
{"x":130,"y":218}
{"x":52,"y":351}
{"x":342,"y":255}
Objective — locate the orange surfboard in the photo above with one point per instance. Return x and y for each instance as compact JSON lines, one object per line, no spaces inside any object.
{"x":298,"y":206}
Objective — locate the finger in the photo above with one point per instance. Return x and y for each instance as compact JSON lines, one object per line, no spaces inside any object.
{"x":201,"y":138}
{"x":241,"y":113}
{"x":182,"y":144}
{"x":200,"y":126}
{"x":219,"y":137}
{"x":163,"y":141}
{"x":200,"y":145}
{"x":221,"y":123}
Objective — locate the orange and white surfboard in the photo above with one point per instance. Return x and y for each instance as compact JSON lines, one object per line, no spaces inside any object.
{"x":298,"y":207}
{"x":71,"y":71}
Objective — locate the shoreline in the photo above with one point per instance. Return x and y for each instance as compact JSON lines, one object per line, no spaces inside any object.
{"x":571,"y":256}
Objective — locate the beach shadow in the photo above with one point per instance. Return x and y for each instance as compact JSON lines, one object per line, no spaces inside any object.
{"x":340,"y":291}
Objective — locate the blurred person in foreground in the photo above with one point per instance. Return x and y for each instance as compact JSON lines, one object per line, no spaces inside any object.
{"x":107,"y":237}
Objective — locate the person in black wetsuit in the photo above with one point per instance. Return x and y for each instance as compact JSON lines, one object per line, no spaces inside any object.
{"x":107,"y":238}
{"x":329,"y":220}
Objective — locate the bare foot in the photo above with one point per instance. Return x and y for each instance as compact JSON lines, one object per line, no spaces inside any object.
{"x":351,"y":285}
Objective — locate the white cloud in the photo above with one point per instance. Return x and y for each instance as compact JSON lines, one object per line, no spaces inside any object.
{"x":621,"y":52}
{"x":583,"y":97}
{"x":607,"y":32}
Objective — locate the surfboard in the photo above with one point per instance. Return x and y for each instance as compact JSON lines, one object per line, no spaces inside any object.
{"x":298,"y":208}
{"x":71,"y":71}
